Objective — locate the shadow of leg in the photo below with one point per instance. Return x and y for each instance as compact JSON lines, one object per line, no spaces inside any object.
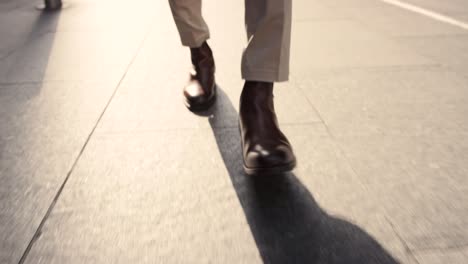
{"x":287,"y":224}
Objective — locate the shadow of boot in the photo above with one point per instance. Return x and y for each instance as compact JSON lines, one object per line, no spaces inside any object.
{"x":287,"y":224}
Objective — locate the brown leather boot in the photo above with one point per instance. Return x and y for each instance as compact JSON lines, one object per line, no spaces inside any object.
{"x":200,"y":92}
{"x":265,"y":149}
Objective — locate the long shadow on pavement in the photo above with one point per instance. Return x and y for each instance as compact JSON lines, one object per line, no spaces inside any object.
{"x":22,"y":66}
{"x":287,"y":224}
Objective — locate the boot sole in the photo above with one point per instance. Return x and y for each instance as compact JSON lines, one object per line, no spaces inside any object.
{"x":270,"y":170}
{"x":201,"y":107}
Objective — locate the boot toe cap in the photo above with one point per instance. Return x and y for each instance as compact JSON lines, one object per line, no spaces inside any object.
{"x":277,"y":156}
{"x":196,"y":97}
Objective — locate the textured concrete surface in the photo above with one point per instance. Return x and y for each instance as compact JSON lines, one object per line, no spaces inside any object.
{"x":100,"y":162}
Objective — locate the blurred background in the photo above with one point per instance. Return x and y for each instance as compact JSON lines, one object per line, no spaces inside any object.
{"x":100,"y":162}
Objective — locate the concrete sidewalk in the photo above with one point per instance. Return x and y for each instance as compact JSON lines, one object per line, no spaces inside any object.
{"x":100,"y":162}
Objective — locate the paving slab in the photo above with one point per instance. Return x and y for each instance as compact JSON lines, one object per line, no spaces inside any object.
{"x":451,"y":51}
{"x":407,"y":101}
{"x":337,"y":4}
{"x":150,"y":97}
{"x":146,"y":186}
{"x":136,"y":108}
{"x":106,"y":16}
{"x":315,"y":10}
{"x":455,"y":256}
{"x":76,"y":16}
{"x":43,"y":128}
{"x":405,"y":135}
{"x":463,"y":17}
{"x":71,"y":56}
{"x":420,"y":183}
{"x":163,"y":209}
{"x":395,"y":21}
{"x":335,"y":44}
{"x":452,"y":7}
{"x":410,"y":154}
{"x":25,"y":24}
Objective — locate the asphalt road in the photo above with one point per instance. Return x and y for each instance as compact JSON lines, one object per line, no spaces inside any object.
{"x":100,"y":162}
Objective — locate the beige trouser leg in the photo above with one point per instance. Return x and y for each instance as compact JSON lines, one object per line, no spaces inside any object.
{"x":268,"y":24}
{"x":189,"y":21}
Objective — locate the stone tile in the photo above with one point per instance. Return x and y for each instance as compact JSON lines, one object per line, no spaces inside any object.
{"x":47,"y":109}
{"x":17,"y":27}
{"x":345,"y":44}
{"x":463,"y":17}
{"x":137,"y":108}
{"x":138,"y":194}
{"x":455,"y":256}
{"x":447,"y":50}
{"x":23,"y":207}
{"x":144,"y":201}
{"x":43,"y":128}
{"x":148,"y":67}
{"x":22,"y":23}
{"x":9,"y":5}
{"x":404,"y":101}
{"x":345,"y":193}
{"x":106,"y":16}
{"x":315,"y":10}
{"x":227,"y":41}
{"x":444,"y":7}
{"x":395,"y":21}
{"x":338,"y":4}
{"x":420,"y":183}
{"x":71,"y":56}
{"x":405,"y":135}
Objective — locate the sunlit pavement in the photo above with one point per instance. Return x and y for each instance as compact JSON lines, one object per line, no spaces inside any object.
{"x":100,"y":162}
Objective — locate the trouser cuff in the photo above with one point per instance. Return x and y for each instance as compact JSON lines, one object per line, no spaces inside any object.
{"x":264,"y":75}
{"x":195,"y":42}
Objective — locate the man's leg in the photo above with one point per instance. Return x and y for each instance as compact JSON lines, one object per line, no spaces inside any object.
{"x":189,"y":21}
{"x":265,"y":148}
{"x":200,"y":92}
{"x":268,"y":25}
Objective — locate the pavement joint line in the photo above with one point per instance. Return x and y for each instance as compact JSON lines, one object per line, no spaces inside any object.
{"x":428,"y":13}
{"x":408,"y":250}
{"x":457,"y":247}
{"x":305,"y":20}
{"x":177,"y":129}
{"x":432,"y":36}
{"x":26,"y":42}
{"x":38,"y":232}
{"x":41,"y":82}
{"x":394,"y":67}
{"x":20,"y":83}
{"x":337,"y":148}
